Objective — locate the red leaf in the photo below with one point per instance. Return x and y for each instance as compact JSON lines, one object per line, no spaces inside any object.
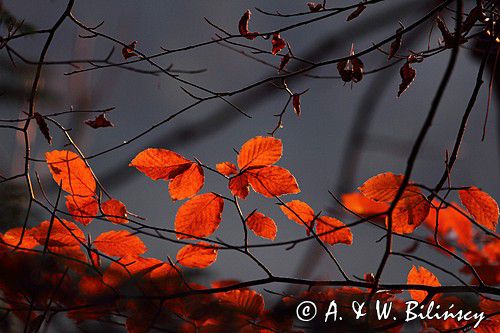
{"x":159,"y":163}
{"x":63,"y":233}
{"x":284,"y":60}
{"x":71,"y":171}
{"x":246,"y":301}
{"x":13,"y":237}
{"x":200,"y":255}
{"x":278,"y":43}
{"x":421,"y":276}
{"x":272,"y":181}
{"x":82,"y":209}
{"x":99,"y":121}
{"x":356,"y":13}
{"x":409,"y":213}
{"x":314,"y":6}
{"x":199,"y":216}
{"x":351,"y":69}
{"x":363,"y":206}
{"x":188,"y":183}
{"x":326,"y":224}
{"x":128,"y":51}
{"x":243,"y":26}
{"x":383,"y":187}
{"x":119,"y":244}
{"x":239,"y":186}
{"x":115,"y":211}
{"x":227,"y":168}
{"x":408,"y":74}
{"x":296,"y":104}
{"x":42,"y":125}
{"x":481,"y":206}
{"x":261,"y":225}
{"x":396,"y":44}
{"x":260,"y":151}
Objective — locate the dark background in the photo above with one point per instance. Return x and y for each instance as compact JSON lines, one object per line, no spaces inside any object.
{"x":314,"y":144}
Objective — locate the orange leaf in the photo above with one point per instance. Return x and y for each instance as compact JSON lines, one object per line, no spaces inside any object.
{"x":272,"y":181}
{"x":384,"y":186}
{"x":119,"y":272}
{"x":227,"y":168}
{"x":326,"y":224}
{"x":63,"y":233}
{"x":246,"y":301}
{"x":261,"y":225}
{"x":119,"y":244}
{"x":199,"y":216}
{"x":481,"y":206}
{"x":82,"y":209}
{"x":115,"y":211}
{"x":159,"y":163}
{"x":188,"y":183}
{"x":260,"y":151}
{"x":239,"y":186}
{"x":363,"y":206}
{"x":409,"y":213}
{"x":200,"y":255}
{"x":298,"y":211}
{"x":71,"y":171}
{"x":13,"y":237}
{"x":421,"y":276}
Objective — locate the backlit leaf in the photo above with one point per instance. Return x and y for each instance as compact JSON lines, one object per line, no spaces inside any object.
{"x":200,"y":255}
{"x":119,"y":244}
{"x":260,"y":151}
{"x":239,"y":186}
{"x":246,"y":301}
{"x":421,"y":276}
{"x":159,"y":163}
{"x":199,"y":216}
{"x":327,"y":224}
{"x":272,"y":181}
{"x":82,"y":209}
{"x":409,"y":213}
{"x":63,"y":233}
{"x":115,"y":211}
{"x":481,"y":206}
{"x":261,"y":225}
{"x":227,"y":168}
{"x":188,"y":183}
{"x":69,"y":169}
{"x":243,"y":26}
{"x":384,"y":186}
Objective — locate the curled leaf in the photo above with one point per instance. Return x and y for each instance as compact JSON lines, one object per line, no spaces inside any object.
{"x":99,"y":121}
{"x":408,"y":74}
{"x":356,"y":12}
{"x":396,"y":43}
{"x":284,"y":60}
{"x":42,"y":125}
{"x":278,"y":43}
{"x":314,"y":6}
{"x":128,"y":51}
{"x":243,"y":26}
{"x":296,"y":104}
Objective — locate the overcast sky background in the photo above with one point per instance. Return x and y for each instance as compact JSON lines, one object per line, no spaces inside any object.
{"x":313,"y":143}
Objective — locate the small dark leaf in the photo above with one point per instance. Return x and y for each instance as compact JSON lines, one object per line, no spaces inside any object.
{"x":407,"y":75}
{"x":278,"y":43}
{"x":356,"y":13}
{"x":42,"y":125}
{"x":284,"y":60}
{"x":314,"y":6}
{"x":296,"y":104}
{"x":128,"y":51}
{"x":243,"y":26}
{"x":396,"y":44}
{"x":448,"y":37}
{"x":351,"y":69}
{"x":99,"y":121}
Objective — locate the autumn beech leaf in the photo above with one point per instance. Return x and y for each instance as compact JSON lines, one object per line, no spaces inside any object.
{"x":199,"y":216}
{"x":384,"y":187}
{"x":363,"y":206}
{"x":43,"y":127}
{"x":119,"y":272}
{"x":245,"y":301}
{"x":314,"y":6}
{"x":99,"y":122}
{"x":261,"y":225}
{"x":200,"y":255}
{"x":157,"y":163}
{"x":13,"y":237}
{"x":278,"y":43}
{"x":284,"y":61}
{"x":187,"y":177}
{"x":69,"y":170}
{"x":396,"y":43}
{"x":119,"y":244}
{"x":336,"y":231}
{"x":272,"y":181}
{"x":239,"y":186}
{"x":481,"y":206}
{"x":352,"y":69}
{"x":260,"y":151}
{"x":407,"y":74}
{"x":82,"y":209}
{"x":115,"y":211}
{"x":187,"y":183}
{"x":298,"y":211}
{"x":296,"y":104}
{"x":421,"y":276}
{"x":62,"y":233}
{"x":129,"y":50}
{"x":243,"y":26}
{"x":356,"y":12}
{"x":409,"y":213}
{"x":227,"y":168}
